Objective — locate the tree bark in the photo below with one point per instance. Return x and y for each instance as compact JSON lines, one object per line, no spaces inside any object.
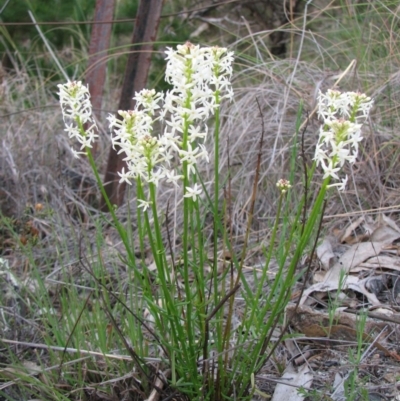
{"x":99,"y":45}
{"x":135,"y":79}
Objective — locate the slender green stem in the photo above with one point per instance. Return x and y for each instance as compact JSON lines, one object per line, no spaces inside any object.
{"x":121,"y":230}
{"x":284,"y":294}
{"x":185,"y":242}
{"x":216,"y":200}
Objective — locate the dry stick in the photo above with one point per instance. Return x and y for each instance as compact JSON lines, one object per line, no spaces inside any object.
{"x":221,"y":303}
{"x":253,"y":195}
{"x":230,"y":217}
{"x":35,"y":373}
{"x":135,"y":357}
{"x":77,"y":320}
{"x":308,"y":271}
{"x":46,"y":43}
{"x":4,"y":6}
{"x":227,"y":222}
{"x":70,"y":335}
{"x":155,"y":395}
{"x":141,"y":321}
{"x":135,"y":78}
{"x":244,"y":250}
{"x":73,"y":351}
{"x":230,"y":240}
{"x":96,"y":69}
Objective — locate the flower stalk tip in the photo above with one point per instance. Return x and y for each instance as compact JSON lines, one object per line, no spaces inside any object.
{"x":343,"y":115}
{"x":283,"y":185}
{"x":77,"y":114}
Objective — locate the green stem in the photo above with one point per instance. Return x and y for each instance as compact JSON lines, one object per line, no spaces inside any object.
{"x":216,"y":199}
{"x":185,"y":242}
{"x":121,"y":230}
{"x":284,"y":294}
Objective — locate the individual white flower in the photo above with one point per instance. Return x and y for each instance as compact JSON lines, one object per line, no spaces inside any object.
{"x":193,"y":192}
{"x":125,"y":176}
{"x":192,"y":154}
{"x":148,"y":100}
{"x":172,"y":177}
{"x":76,"y":154}
{"x":156,"y":176}
{"x":330,"y":168}
{"x":341,"y":186}
{"x":144,"y":204}
{"x":176,"y":124}
{"x":340,"y":153}
{"x":197,"y":132}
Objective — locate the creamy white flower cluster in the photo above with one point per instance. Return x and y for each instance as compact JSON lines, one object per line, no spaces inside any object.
{"x":343,"y":115}
{"x":283,"y":185}
{"x":200,"y":79}
{"x":77,"y":111}
{"x":133,"y":135}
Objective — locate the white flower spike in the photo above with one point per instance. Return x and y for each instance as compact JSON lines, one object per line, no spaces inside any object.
{"x":77,"y":112}
{"x":343,"y":115}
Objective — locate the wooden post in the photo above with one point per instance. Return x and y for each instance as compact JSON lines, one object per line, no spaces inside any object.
{"x":135,"y":79}
{"x":99,"y":45}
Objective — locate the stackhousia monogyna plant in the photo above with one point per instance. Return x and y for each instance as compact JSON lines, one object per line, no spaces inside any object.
{"x":183,"y":306}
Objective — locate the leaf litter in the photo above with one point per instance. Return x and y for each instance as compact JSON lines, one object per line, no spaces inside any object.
{"x":356,"y":274}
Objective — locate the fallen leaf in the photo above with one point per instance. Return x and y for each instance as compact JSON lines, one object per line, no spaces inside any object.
{"x":357,"y":254}
{"x":325,"y":253}
{"x":295,"y":378}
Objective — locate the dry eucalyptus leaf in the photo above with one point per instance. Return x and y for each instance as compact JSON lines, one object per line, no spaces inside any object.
{"x":338,"y":385}
{"x":350,"y":236}
{"x":390,"y":222}
{"x":386,"y":234}
{"x":325,"y":253}
{"x":10,"y":372}
{"x":296,"y":379}
{"x":357,"y":254}
{"x":383,"y":261}
{"x":331,"y":283}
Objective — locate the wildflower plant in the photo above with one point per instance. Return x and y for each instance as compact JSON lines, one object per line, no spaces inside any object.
{"x":191,"y":327}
